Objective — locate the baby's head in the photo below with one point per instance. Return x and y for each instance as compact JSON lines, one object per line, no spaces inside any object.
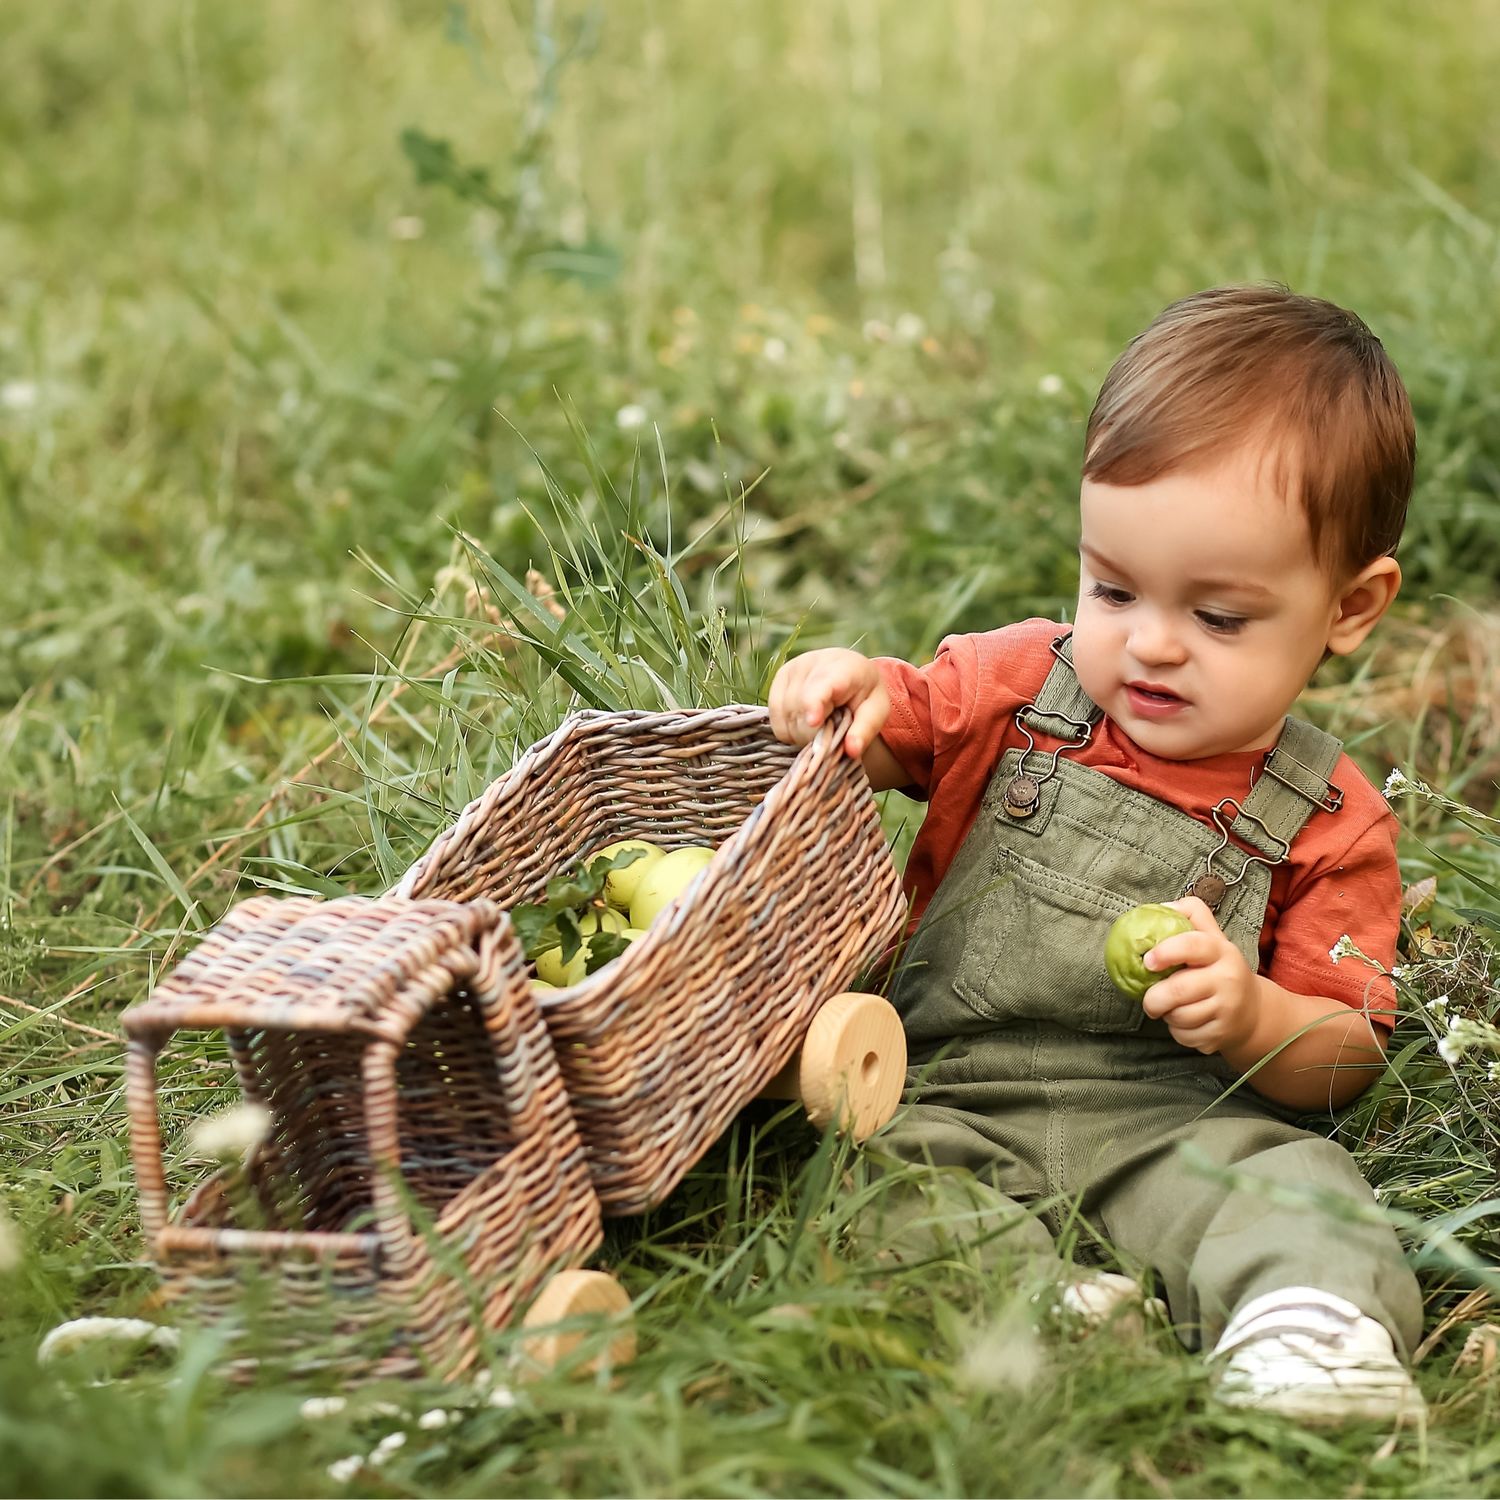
{"x":1246,"y":474}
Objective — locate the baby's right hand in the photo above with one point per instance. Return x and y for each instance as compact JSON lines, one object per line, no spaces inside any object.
{"x":808,"y":688}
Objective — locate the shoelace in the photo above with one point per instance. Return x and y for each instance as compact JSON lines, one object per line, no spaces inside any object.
{"x":1323,"y":1322}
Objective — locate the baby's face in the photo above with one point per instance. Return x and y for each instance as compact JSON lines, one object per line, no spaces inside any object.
{"x":1202,"y":612}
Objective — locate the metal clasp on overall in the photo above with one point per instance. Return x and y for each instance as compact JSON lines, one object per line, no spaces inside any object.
{"x":1210,"y":887}
{"x":1333,"y":796}
{"x":1023,"y":792}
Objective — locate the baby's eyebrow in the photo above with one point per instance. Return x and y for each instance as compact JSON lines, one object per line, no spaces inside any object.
{"x":1205,"y":585}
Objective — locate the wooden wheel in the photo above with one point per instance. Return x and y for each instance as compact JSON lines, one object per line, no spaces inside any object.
{"x":852,"y":1066}
{"x":571,"y":1295}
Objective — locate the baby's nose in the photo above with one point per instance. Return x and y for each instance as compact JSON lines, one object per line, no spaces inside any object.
{"x":1155,"y":639}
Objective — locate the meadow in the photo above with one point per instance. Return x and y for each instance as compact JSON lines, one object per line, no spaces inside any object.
{"x":335,"y":340}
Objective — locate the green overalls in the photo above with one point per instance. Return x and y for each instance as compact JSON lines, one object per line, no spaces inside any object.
{"x":1031,"y":1070}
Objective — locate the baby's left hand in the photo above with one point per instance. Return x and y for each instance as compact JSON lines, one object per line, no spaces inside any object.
{"x":1210,"y":1003}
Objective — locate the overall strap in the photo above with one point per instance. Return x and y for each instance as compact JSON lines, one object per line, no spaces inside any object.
{"x":1291,"y":787}
{"x":1061,"y":699}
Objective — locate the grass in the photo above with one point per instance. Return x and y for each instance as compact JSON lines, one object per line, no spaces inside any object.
{"x":320,"y":329}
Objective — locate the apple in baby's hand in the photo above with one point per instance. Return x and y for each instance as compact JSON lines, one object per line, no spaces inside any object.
{"x":664,"y":881}
{"x":621,"y":882}
{"x":1131,"y":937}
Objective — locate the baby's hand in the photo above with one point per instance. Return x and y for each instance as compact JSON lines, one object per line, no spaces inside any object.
{"x":1210,"y":1003}
{"x":808,"y":688}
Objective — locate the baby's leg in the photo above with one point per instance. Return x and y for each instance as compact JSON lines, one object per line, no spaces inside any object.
{"x":1256,"y":1205}
{"x":951,"y":1189}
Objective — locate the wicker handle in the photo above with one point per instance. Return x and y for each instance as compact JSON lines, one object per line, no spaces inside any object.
{"x":145,"y":1138}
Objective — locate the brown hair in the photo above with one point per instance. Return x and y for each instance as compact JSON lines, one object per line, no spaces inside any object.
{"x":1238,"y":363}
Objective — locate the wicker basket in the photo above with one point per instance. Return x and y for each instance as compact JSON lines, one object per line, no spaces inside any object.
{"x":663,"y":1047}
{"x":422,"y":1171}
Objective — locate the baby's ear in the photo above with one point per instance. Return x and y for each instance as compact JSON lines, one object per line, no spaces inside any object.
{"x":1362,"y":601}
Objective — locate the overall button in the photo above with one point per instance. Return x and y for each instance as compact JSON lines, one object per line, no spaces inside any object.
{"x":1209,"y":889}
{"x":1022,"y":793}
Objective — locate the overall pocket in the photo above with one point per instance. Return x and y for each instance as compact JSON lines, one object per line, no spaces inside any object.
{"x":1035,"y":950}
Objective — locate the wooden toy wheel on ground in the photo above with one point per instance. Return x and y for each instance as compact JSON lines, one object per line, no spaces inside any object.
{"x":567,"y":1299}
{"x":852,"y":1065}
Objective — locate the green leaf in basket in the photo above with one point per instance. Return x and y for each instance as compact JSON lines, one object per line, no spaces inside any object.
{"x":567,"y":935}
{"x":553,"y":921}
{"x":604,"y":946}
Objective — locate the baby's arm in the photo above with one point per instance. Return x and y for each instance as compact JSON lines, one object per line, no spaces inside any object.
{"x":1315,"y":1052}
{"x":808,"y":688}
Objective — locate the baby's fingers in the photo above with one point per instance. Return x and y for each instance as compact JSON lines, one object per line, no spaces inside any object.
{"x":1192,"y":948}
{"x":869,"y":715}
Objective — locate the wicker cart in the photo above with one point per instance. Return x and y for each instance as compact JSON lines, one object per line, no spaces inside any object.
{"x":738,"y":988}
{"x":421,"y":1173}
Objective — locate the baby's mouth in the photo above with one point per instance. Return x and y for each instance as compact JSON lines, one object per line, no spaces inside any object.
{"x":1153,"y":697}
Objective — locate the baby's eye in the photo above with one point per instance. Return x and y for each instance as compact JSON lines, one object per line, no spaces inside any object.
{"x":1109,"y":594}
{"x":1221,"y":624}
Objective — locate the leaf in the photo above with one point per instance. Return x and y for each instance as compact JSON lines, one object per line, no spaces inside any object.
{"x":569,"y":937}
{"x":433,"y":161}
{"x":1479,"y":918}
{"x":531,"y":923}
{"x":604,"y":947}
{"x":1418,"y":896}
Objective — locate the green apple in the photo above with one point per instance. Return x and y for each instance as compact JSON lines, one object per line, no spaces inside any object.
{"x":552,"y":970}
{"x":664,"y":881}
{"x":620,"y":885}
{"x":1132,"y":937}
{"x":541,"y":984}
{"x":633,"y":934}
{"x":596,"y":917}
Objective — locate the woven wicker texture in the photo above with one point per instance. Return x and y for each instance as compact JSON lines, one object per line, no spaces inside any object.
{"x":663,"y":1047}
{"x":412,"y":1091}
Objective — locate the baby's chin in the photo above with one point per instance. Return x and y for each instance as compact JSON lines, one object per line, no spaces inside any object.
{"x":1182,"y":737}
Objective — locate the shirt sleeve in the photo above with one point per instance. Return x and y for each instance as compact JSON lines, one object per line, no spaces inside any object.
{"x":949,"y":711}
{"x":1356,"y":896}
{"x":930,"y":708}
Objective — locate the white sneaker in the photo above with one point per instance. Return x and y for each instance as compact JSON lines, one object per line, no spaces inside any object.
{"x":1107,"y":1297}
{"x":1308,"y":1355}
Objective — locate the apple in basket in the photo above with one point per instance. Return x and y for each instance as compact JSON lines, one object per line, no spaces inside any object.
{"x":550,"y":967}
{"x":620,"y":884}
{"x":664,"y":880}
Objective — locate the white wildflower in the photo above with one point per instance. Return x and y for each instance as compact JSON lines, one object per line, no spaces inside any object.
{"x":1396,"y":784}
{"x":1006,"y":1356}
{"x":1450,"y":1049}
{"x":1340,"y":949}
{"x":1397,"y":971}
{"x":315,"y":1408}
{"x":1455,"y":1023}
{"x":774,"y":350}
{"x":388,"y":1445}
{"x":1438,"y":1003}
{"x":342,"y":1470}
{"x":1051,"y":385}
{"x":232,"y":1133}
{"x":502,"y":1397}
{"x":631,"y":416}
{"x":910,"y":328}
{"x":431,"y":1421}
{"x":18,"y":395}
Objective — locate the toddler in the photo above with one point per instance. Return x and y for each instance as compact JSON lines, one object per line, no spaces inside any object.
{"x":1246,"y":472}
